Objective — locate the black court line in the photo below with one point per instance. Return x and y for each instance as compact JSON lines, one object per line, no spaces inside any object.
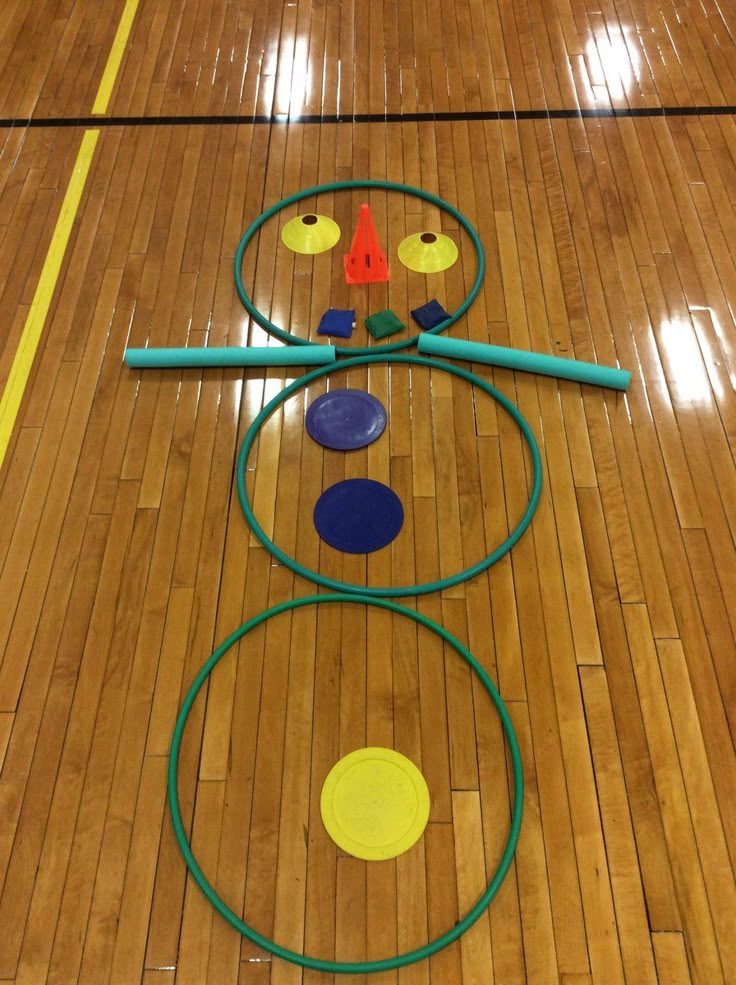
{"x":296,"y":119}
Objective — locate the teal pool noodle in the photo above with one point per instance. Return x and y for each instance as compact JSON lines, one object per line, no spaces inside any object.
{"x":230,"y":355}
{"x":528,"y":362}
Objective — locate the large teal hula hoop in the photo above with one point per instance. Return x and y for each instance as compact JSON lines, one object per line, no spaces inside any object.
{"x":336,"y":186}
{"x":320,"y":964}
{"x":405,"y":590}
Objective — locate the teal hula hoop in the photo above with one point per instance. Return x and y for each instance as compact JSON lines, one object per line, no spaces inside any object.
{"x":405,"y":590}
{"x":335,"y":186}
{"x":320,"y":964}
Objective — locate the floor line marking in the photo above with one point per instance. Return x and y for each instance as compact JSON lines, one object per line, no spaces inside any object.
{"x":109,"y":76}
{"x":35,"y":320}
{"x":295,"y":119}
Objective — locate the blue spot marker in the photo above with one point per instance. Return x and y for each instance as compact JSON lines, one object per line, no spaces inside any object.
{"x":346,"y":419}
{"x":358,"y":516}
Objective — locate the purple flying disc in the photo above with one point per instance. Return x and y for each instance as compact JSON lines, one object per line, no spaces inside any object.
{"x":358,"y":516}
{"x":346,"y":419}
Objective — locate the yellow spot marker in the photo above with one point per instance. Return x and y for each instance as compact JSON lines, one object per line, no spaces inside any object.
{"x":310,"y":234}
{"x":102,"y":100}
{"x":26,"y":351}
{"x":375,"y":803}
{"x":427,"y":253}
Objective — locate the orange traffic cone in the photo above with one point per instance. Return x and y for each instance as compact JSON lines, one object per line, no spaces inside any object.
{"x":366,"y":261}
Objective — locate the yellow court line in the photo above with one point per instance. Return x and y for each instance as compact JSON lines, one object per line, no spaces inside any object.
{"x":102,"y":99}
{"x":23,"y":360}
{"x":25,"y":354}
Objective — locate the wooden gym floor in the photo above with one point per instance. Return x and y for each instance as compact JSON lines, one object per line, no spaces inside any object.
{"x":592,"y":145}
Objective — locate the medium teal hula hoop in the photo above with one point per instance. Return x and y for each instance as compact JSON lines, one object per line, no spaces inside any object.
{"x":336,"y":186}
{"x":405,"y":590}
{"x":320,"y":964}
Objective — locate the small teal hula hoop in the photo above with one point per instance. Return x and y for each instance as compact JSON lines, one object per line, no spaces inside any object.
{"x":336,"y":186}
{"x":405,"y":590}
{"x":320,"y":964}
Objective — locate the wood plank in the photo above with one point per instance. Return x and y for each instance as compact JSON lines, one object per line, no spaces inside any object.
{"x":158,"y":976}
{"x":706,"y":816}
{"x":557,"y":824}
{"x":198,"y":915}
{"x":76,"y":726}
{"x":655,"y":862}
{"x":225,"y":943}
{"x":7,"y":720}
{"x":686,"y":871}
{"x":442,"y":899}
{"x":631,"y":915}
{"x":536,"y":913}
{"x":80,"y":883}
{"x":475,"y":945}
{"x":672,"y":963}
{"x":135,"y":905}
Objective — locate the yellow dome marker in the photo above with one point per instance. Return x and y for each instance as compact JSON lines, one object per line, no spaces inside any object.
{"x":310,"y":233}
{"x":375,"y":803}
{"x":427,"y":253}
